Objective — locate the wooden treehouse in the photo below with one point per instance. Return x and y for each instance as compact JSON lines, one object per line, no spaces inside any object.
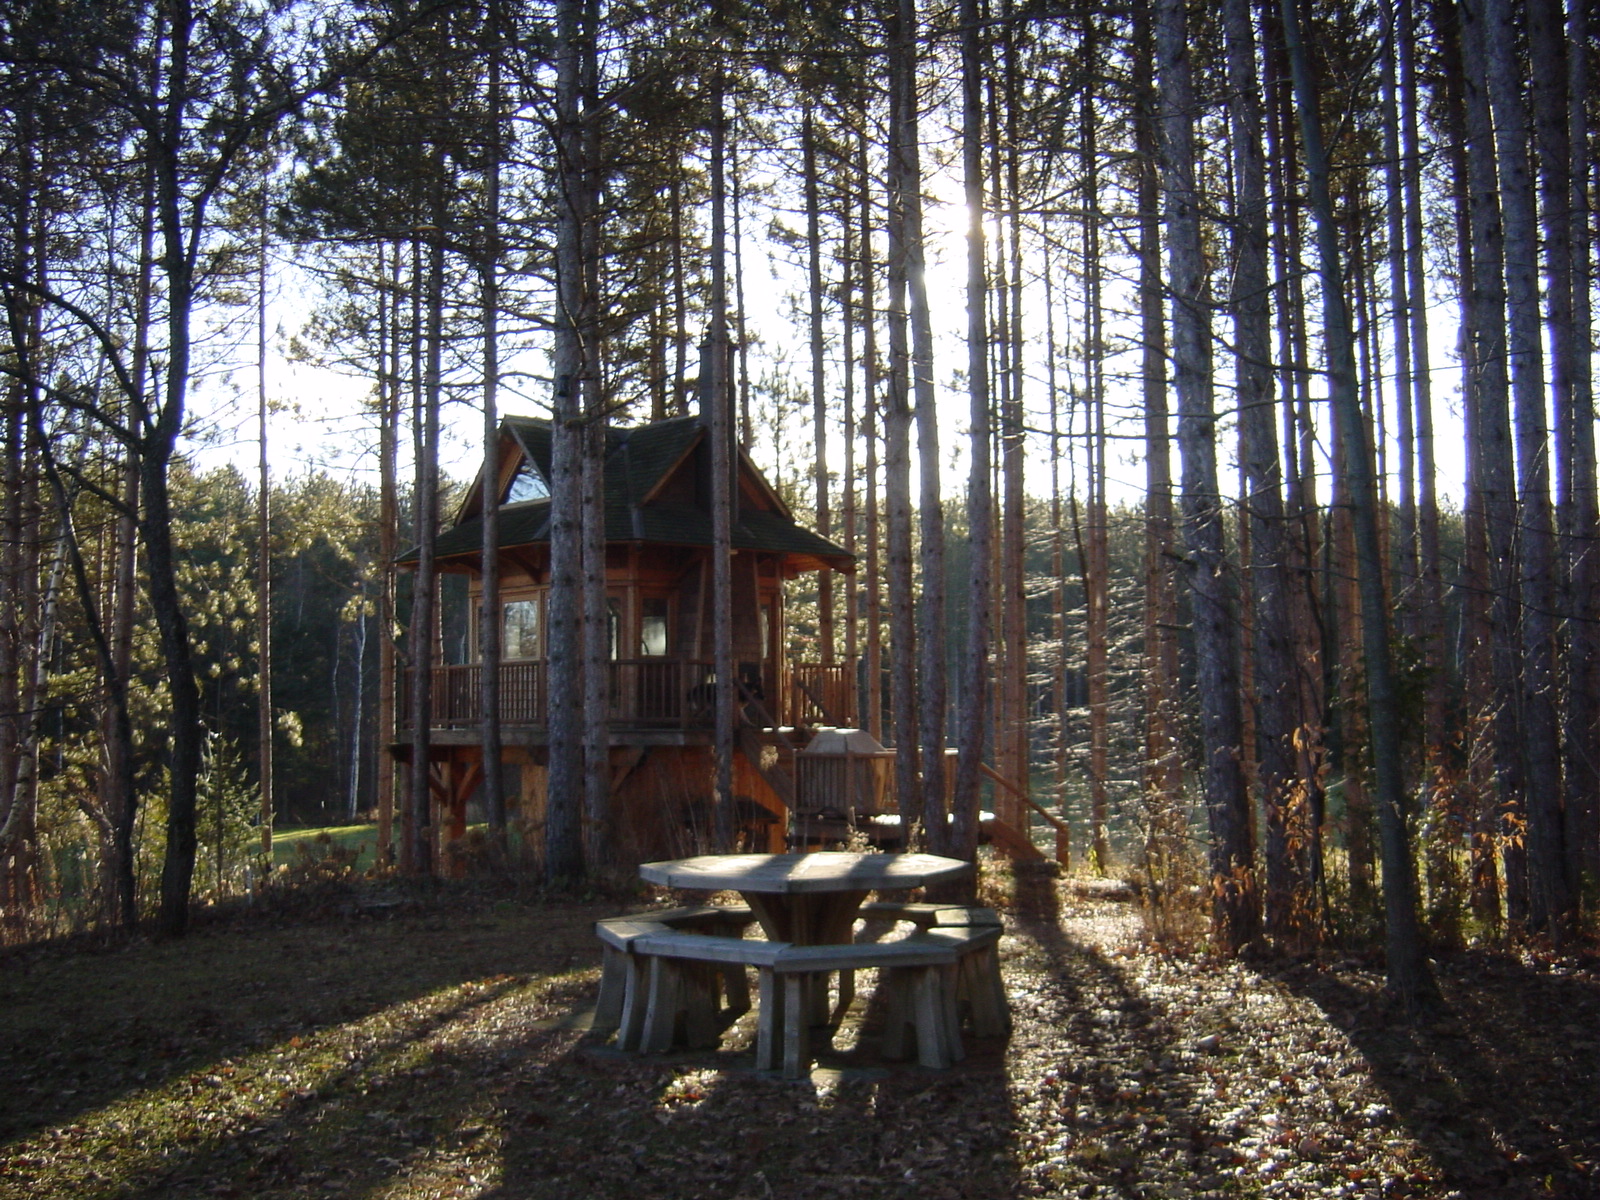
{"x":662,"y":687}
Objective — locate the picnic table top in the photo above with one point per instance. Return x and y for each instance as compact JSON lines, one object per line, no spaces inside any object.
{"x":791,"y":874}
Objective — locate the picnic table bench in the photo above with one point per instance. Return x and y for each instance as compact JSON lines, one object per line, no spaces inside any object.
{"x":662,"y":982}
{"x":674,"y":994}
{"x":676,"y":976}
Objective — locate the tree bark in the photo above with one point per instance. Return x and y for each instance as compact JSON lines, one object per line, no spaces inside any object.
{"x":819,"y":402}
{"x":388,"y":536}
{"x":1281,"y":795}
{"x":1580,"y":523}
{"x":1234,"y":905}
{"x":903,"y":692}
{"x":723,"y":465}
{"x":264,"y":721}
{"x":563,"y":629}
{"x":1430,"y":608}
{"x":416,"y":851}
{"x":1162,"y":774}
{"x":869,"y":433}
{"x":489,"y":614}
{"x":974,"y":679}
{"x":1487,"y":396}
{"x":931,"y":629}
{"x":596,"y":605}
{"x":1551,"y":907}
{"x":1097,"y":564}
{"x":1408,"y":976}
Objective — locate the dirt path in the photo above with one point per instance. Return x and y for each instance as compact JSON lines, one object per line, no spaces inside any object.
{"x":443,"y":1053}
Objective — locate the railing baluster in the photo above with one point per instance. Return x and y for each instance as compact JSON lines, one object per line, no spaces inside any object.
{"x":672,"y":692}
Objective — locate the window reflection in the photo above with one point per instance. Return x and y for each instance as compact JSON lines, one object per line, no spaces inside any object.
{"x":526,"y":485}
{"x":653,"y":625}
{"x":521,"y":629}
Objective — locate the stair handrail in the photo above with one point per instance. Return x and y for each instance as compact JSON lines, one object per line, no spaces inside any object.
{"x":822,"y":708}
{"x":1016,"y":790}
{"x":750,"y":698}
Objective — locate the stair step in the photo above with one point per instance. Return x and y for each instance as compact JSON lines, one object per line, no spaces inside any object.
{"x":1011,"y":841}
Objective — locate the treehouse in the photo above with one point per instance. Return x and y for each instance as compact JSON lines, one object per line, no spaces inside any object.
{"x":659,"y":611}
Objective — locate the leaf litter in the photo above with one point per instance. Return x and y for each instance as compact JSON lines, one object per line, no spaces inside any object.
{"x":444,"y":1052}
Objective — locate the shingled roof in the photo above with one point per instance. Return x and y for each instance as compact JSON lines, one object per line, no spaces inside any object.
{"x":638,"y":462}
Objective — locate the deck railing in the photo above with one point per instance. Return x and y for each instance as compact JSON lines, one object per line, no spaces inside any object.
{"x":822,"y":694}
{"x":645,"y":692}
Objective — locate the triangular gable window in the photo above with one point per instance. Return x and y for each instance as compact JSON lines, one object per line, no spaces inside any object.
{"x":528,"y":484}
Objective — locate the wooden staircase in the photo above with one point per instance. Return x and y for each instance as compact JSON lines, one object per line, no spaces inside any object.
{"x":1014,"y":843}
{"x":775,"y":777}
{"x":1011,"y":841}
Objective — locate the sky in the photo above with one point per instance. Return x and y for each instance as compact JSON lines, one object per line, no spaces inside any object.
{"x":318,"y":423}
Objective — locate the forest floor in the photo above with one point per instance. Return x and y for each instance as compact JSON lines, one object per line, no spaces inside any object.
{"x":439,"y":1049}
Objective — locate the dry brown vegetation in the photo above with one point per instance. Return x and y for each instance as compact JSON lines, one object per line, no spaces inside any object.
{"x":440,"y":1050}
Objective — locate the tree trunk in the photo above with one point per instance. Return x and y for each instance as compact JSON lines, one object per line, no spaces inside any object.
{"x":1580,"y":523}
{"x":931,"y":629}
{"x":869,"y":434}
{"x":1551,"y":908}
{"x":1487,"y":395}
{"x":23,"y":649}
{"x":1275,"y":696}
{"x":120,"y":795}
{"x":819,"y":403}
{"x":1485,"y":722}
{"x":156,"y":451}
{"x":1399,"y":324}
{"x":572,"y":364}
{"x":1303,"y":542}
{"x":416,"y":851}
{"x":1162,"y":776}
{"x":903,"y":691}
{"x":1097,"y":564}
{"x":1012,"y":730}
{"x":850,"y":515}
{"x":596,"y":605}
{"x":388,"y":537}
{"x":489,"y":616}
{"x":724,"y":496}
{"x":974,"y":679}
{"x":1408,"y":975}
{"x":1215,"y":616}
{"x":597,"y":648}
{"x":1060,"y":676}
{"x":1439,"y":795}
{"x":264,"y":721}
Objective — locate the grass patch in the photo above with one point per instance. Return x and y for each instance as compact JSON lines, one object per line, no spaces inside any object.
{"x":177,"y":1068}
{"x":293,"y":846}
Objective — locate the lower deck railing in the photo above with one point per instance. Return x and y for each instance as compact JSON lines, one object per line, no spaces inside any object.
{"x":647,"y":692}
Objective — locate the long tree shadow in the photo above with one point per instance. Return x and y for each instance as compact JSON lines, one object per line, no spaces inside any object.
{"x":488,"y":1083}
{"x":708,"y":1124}
{"x":1115,"y":1108}
{"x":84,"y":1031}
{"x":489,"y":1086}
{"x":1504,"y":1089}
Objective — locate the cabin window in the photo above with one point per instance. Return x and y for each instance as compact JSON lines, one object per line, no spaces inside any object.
{"x":614,"y":627}
{"x":527,"y":484}
{"x":655,"y":619}
{"x":521,"y":629}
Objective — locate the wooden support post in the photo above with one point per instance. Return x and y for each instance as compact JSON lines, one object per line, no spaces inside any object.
{"x":769,"y":1022}
{"x":796,"y":1028}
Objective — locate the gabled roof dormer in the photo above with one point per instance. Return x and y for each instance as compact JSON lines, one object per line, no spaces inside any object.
{"x":526,"y":484}
{"x":654,"y":494}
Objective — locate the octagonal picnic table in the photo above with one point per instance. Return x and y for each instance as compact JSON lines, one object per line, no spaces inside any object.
{"x":805,"y":899}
